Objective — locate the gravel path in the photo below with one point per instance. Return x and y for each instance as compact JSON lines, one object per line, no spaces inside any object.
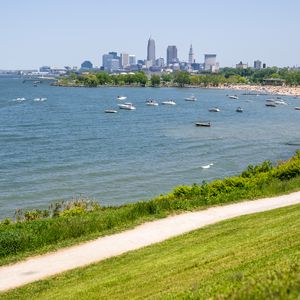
{"x":40,"y":267}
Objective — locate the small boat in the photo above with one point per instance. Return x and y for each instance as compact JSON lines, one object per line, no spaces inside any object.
{"x":270,"y":100}
{"x":239,"y":109}
{"x":203,"y":124}
{"x":152,"y":103}
{"x":191,"y":98}
{"x":20,"y":99}
{"x":169,"y":102}
{"x":235,"y":97}
{"x":280,"y":102}
{"x":297,"y":108}
{"x":207,"y":166}
{"x":111,"y":111}
{"x":39,"y":99}
{"x":271,"y":104}
{"x":121,"y":97}
{"x":214,"y":109}
{"x":128,"y":106}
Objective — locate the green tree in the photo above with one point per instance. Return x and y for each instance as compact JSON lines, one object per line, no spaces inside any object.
{"x":155,"y":80}
{"x":182,"y":78}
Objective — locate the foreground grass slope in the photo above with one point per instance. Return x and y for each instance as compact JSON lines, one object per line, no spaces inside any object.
{"x":38,"y":234}
{"x":250,"y":257}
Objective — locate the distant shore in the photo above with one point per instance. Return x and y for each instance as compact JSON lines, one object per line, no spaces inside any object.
{"x":265,"y":89}
{"x":259,"y":89}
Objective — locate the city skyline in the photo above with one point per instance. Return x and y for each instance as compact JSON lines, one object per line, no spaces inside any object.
{"x":55,"y":33}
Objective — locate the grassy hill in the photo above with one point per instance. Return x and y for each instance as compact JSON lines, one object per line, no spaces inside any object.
{"x":250,"y":257}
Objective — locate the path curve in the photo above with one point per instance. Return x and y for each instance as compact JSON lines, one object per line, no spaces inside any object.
{"x":40,"y":267}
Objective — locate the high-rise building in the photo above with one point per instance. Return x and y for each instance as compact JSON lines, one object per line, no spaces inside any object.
{"x":257,"y":64}
{"x":132,"y":60}
{"x":191,"y":55}
{"x":160,"y":62}
{"x":124,"y":60}
{"x":110,"y":63}
{"x":151,"y":51}
{"x":241,"y":65}
{"x":210,"y":62}
{"x":172,"y":55}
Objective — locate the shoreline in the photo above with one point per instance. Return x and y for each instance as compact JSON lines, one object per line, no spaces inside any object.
{"x":259,"y":89}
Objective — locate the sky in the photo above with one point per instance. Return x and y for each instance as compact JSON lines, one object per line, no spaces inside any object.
{"x":61,"y":33}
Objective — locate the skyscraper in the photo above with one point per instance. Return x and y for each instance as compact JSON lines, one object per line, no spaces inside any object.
{"x":151,"y":51}
{"x":210,"y":62}
{"x":191,"y":55}
{"x":124,"y":60}
{"x":172,"y":55}
{"x":257,"y":64}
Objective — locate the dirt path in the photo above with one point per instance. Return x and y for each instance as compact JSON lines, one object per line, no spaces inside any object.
{"x":39,"y":267}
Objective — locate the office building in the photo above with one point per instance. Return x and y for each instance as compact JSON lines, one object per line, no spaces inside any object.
{"x":257,"y":64}
{"x":172,"y":55}
{"x":191,"y":55}
{"x":132,"y":60}
{"x":210,"y":62}
{"x":151,"y":51}
{"x":160,"y":62}
{"x":124,"y":59}
{"x":110,"y":63}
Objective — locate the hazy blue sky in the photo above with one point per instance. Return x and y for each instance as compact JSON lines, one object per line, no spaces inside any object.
{"x":66,"y":32}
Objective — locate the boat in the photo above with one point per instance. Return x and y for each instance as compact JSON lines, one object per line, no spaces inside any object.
{"x":271,"y":104}
{"x":169,"y":102}
{"x":128,"y":106}
{"x":239,"y":109}
{"x":270,"y":100}
{"x":233,"y":97}
{"x":121,"y":97}
{"x":214,"y":109}
{"x":297,"y":108}
{"x":191,"y":98}
{"x":203,"y":124}
{"x":280,"y":102}
{"x":20,"y":99}
{"x":152,"y":103}
{"x":110,"y":111}
{"x":39,"y":99}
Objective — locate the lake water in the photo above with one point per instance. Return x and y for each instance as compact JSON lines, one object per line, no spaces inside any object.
{"x":67,"y":146}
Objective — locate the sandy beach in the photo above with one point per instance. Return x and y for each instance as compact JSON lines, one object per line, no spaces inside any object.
{"x":265,"y":89}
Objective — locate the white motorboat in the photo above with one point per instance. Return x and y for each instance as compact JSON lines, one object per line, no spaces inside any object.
{"x":121,"y":97}
{"x":214,"y":109}
{"x":235,"y":97}
{"x":191,"y":98}
{"x":110,"y":111}
{"x":270,"y":104}
{"x":128,"y":106}
{"x":203,"y":124}
{"x":20,"y":99}
{"x":297,"y":108}
{"x":280,"y":102}
{"x":169,"y":102}
{"x":152,"y":103}
{"x":39,"y":99}
{"x":239,"y":109}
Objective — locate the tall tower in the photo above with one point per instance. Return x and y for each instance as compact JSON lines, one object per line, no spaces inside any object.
{"x":191,"y":55}
{"x":151,"y":50}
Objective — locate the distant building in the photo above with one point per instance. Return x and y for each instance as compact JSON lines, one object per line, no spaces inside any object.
{"x":191,"y":55}
{"x":210,"y":62}
{"x":160,"y":62}
{"x":197,"y":67}
{"x":264,"y":66}
{"x":257,"y":64}
{"x":110,"y":63}
{"x":241,"y":65}
{"x":151,"y":51}
{"x":45,"y":69}
{"x":124,"y":60}
{"x":87,"y":65}
{"x":132,"y":60}
{"x":172,"y":55}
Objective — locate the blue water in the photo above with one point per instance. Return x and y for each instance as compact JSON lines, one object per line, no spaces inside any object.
{"x":67,"y":146}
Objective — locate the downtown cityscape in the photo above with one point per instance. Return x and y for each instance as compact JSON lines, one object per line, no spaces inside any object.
{"x":149,"y":150}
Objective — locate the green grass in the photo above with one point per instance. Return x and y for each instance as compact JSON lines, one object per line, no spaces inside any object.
{"x":27,"y":238}
{"x":250,"y":257}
